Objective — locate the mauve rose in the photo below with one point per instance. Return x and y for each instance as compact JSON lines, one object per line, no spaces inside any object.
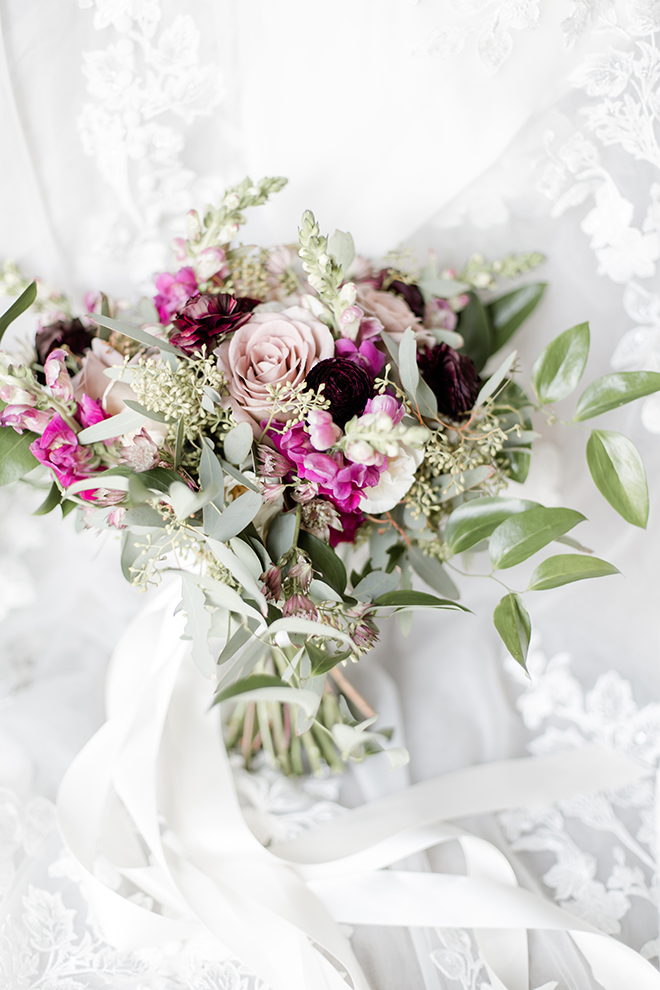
{"x":70,"y":333}
{"x":452,"y":377}
{"x":272,"y":349}
{"x":395,"y":314}
{"x":205,"y":318}
{"x":347,"y":385}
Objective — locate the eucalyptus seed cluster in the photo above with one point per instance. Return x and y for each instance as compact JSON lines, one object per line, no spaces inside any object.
{"x":248,"y":274}
{"x":179,"y":393}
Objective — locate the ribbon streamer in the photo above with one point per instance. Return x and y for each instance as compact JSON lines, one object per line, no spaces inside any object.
{"x":157,"y":776}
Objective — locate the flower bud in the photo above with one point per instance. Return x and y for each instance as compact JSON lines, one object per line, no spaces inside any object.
{"x":193,"y":225}
{"x":301,"y":606}
{"x":272,"y":579}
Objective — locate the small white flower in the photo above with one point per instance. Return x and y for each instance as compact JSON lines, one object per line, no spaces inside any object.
{"x":394,"y":482}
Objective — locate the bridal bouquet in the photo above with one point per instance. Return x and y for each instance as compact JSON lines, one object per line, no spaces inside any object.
{"x":275,"y":412}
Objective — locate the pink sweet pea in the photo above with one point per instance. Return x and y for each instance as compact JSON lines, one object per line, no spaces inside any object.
{"x":57,"y":377}
{"x":174,"y":291}
{"x":367,"y":354}
{"x":323,"y":433}
{"x":25,"y":418}
{"x":59,"y":449}
{"x":89,"y":412}
{"x":385,"y":404}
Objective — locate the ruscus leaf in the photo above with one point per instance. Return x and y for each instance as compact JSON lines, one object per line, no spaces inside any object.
{"x":559,"y":367}
{"x":612,"y":391}
{"x":566,"y":568}
{"x":511,"y":310}
{"x":618,"y":473}
{"x":520,"y":536}
{"x":512,"y":622}
{"x":474,"y":521}
{"x":16,"y":459}
{"x":18,"y":307}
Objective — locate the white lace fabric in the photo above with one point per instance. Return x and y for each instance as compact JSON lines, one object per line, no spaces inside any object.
{"x":159,"y":107}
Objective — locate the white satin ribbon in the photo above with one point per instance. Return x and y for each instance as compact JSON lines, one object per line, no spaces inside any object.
{"x":158,"y":770}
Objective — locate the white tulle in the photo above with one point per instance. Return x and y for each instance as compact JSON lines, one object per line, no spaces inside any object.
{"x":491,"y":125}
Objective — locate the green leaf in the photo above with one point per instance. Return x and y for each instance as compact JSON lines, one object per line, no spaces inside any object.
{"x":135,"y":333}
{"x":418,"y":391}
{"x":475,"y":329}
{"x":566,"y":568}
{"x":250,"y":683}
{"x":236,"y":516}
{"x":321,"y":661}
{"x":612,"y":391}
{"x":238,"y":443}
{"x":373,"y":584}
{"x":15,"y":456}
{"x":23,"y":302}
{"x":144,"y":515}
{"x":474,"y":521}
{"x":324,"y":560}
{"x":432,"y":573}
{"x":415,"y":599}
{"x":210,"y":473}
{"x":239,"y":639}
{"x":510,"y":311}
{"x":512,"y":622}
{"x":178,"y":443}
{"x":619,"y":475}
{"x":342,"y":249}
{"x":186,"y":502}
{"x":235,"y":473}
{"x":53,"y":499}
{"x":520,"y":536}
{"x":559,"y":367}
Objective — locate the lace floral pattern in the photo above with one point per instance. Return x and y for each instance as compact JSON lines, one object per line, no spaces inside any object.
{"x":603,"y":888}
{"x":146,"y":86}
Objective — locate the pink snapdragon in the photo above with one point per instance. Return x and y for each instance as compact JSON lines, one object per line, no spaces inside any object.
{"x":210,"y":263}
{"x":339,"y":480}
{"x":15,"y":395}
{"x":366,"y":354}
{"x":323,"y":433}
{"x":174,"y":291}
{"x":386,"y":404}
{"x":58,"y":448}
{"x":89,"y":412}
{"x":24,"y":417}
{"x":439,"y":314}
{"x":57,"y":377}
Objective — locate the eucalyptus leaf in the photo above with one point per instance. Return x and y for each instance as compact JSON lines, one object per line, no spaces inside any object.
{"x":305,"y":699}
{"x":474,"y":326}
{"x":408,"y":363}
{"x":322,"y":662}
{"x":618,"y":473}
{"x":135,"y":333}
{"x":495,"y":380}
{"x":280,"y":534}
{"x":566,"y":568}
{"x":236,"y":516}
{"x":307,"y":627}
{"x":512,"y":622}
{"x":124,"y":422}
{"x":24,"y":301}
{"x":16,"y":459}
{"x":221,"y":595}
{"x":147,"y":413}
{"x":560,"y":366}
{"x":247,"y":684}
{"x":238,"y":443}
{"x":186,"y":502}
{"x":238,"y":640}
{"x":238,"y":475}
{"x":441,"y":288}
{"x":342,"y":249}
{"x":511,"y":310}
{"x":319,"y":591}
{"x":452,"y":485}
{"x":238,"y":569}
{"x":392,"y":349}
{"x":143,"y":515}
{"x":198,"y":625}
{"x":324,"y":560}
{"x":210,"y":474}
{"x":474,"y":521}
{"x":118,"y":482}
{"x":374,"y":584}
{"x":520,"y":536}
{"x":432,"y":573}
{"x":612,"y":391}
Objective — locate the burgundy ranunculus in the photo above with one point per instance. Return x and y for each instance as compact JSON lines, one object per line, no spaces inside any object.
{"x":206,"y":318}
{"x":452,"y":377}
{"x":347,"y":385}
{"x":410,"y":293}
{"x":71,"y":333}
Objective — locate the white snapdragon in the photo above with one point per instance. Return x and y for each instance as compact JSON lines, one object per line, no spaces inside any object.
{"x":372,"y":437}
{"x":394,"y":482}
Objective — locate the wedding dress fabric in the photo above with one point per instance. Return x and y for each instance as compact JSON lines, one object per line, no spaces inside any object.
{"x":491,"y":126}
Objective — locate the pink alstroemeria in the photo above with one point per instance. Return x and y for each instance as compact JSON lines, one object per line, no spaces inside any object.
{"x":25,"y":418}
{"x":339,"y":480}
{"x":59,"y":449}
{"x":57,"y":377}
{"x":323,"y":433}
{"x":174,"y":291}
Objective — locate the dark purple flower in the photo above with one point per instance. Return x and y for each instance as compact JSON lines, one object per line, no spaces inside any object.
{"x":347,"y":384}
{"x":206,"y":318}
{"x":71,"y":333}
{"x":452,"y":377}
{"x":410,"y":293}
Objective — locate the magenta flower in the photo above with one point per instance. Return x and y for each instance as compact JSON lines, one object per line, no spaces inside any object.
{"x":338,"y":479}
{"x":59,"y":449}
{"x":323,"y":433}
{"x":350,"y":523}
{"x":25,"y":418}
{"x":367,"y":354}
{"x":385,"y":404}
{"x":174,"y":291}
{"x":89,"y":412}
